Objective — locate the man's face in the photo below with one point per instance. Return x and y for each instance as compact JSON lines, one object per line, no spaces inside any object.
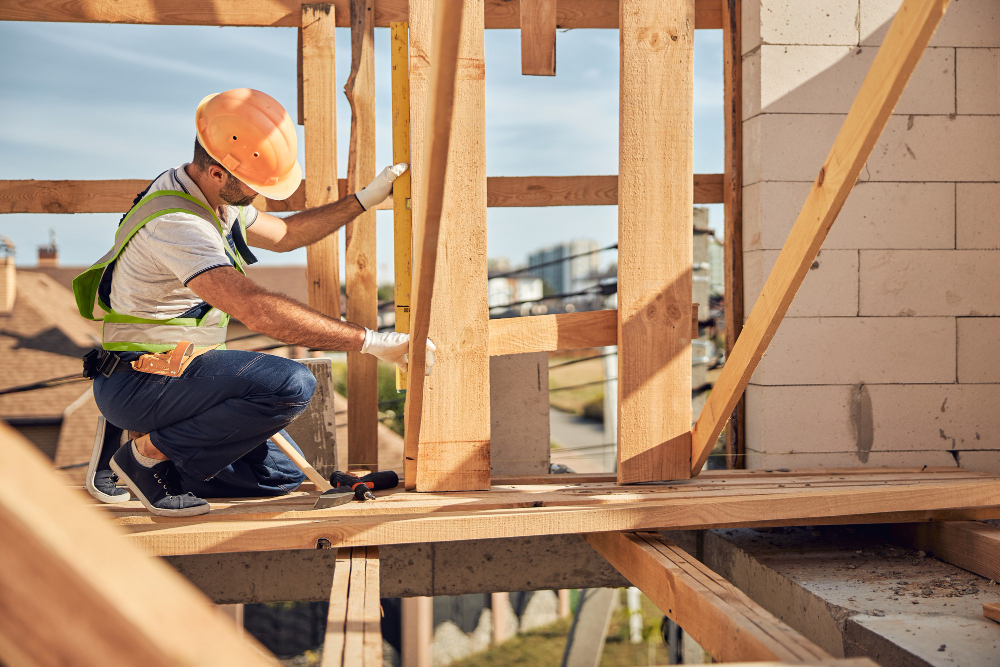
{"x":235,"y":193}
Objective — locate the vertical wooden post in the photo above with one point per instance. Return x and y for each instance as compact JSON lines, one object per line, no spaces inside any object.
{"x":655,"y":201}
{"x":319,"y":102}
{"x":732,"y":194}
{"x":402,"y":215}
{"x":418,"y":631}
{"x":454,"y":421}
{"x":362,"y":293}
{"x":538,"y":37}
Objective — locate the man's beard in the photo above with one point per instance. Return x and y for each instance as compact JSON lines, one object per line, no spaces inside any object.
{"x":231,"y":193}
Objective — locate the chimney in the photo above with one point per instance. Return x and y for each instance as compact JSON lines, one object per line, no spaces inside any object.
{"x":8,"y":276}
{"x":48,"y":255}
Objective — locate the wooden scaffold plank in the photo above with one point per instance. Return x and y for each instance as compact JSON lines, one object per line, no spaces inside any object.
{"x":717,"y":615}
{"x":448,"y":413}
{"x":538,"y":37}
{"x":895,"y":61}
{"x":320,"y":115}
{"x":359,"y":246}
{"x":278,"y":13}
{"x":655,"y":199}
{"x":354,"y":620}
{"x":65,"y":601}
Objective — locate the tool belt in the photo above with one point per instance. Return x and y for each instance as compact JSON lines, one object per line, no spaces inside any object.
{"x":170,"y":364}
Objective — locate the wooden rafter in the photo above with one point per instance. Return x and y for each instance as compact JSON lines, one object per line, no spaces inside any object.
{"x":354,"y":621}
{"x":908,"y":35}
{"x":970,"y":545}
{"x":717,"y":615}
{"x":278,"y":13}
{"x":74,"y":591}
{"x":719,"y":501}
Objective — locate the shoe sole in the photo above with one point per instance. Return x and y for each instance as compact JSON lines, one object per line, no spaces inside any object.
{"x":189,"y":511}
{"x":95,"y":456}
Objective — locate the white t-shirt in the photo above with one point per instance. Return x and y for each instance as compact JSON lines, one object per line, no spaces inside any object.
{"x":151,"y":275}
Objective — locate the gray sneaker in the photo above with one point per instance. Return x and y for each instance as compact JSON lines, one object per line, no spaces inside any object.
{"x":100,"y":480}
{"x":159,"y":487}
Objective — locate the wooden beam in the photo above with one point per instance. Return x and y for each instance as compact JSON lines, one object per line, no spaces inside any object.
{"x":732,"y":77}
{"x":115,"y":196}
{"x":991,"y":610}
{"x":655,"y":199}
{"x":353,"y":624}
{"x":723,"y":501}
{"x":895,"y":61}
{"x":538,"y":37}
{"x":320,"y":116}
{"x":402,"y":214}
{"x":563,"y":331}
{"x":359,"y":247}
{"x":970,"y":545}
{"x":448,"y":413}
{"x":66,"y":602}
{"x":286,"y":13}
{"x":719,"y":617}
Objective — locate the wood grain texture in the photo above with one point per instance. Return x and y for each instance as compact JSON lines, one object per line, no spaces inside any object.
{"x":65,"y":602}
{"x":353,"y":625}
{"x":449,"y":411}
{"x":336,"y":618}
{"x":538,"y":37}
{"x":402,"y":214}
{"x":655,"y":199}
{"x":286,"y":13}
{"x":115,"y":196}
{"x":359,"y":235}
{"x":770,"y":499}
{"x":895,"y":61}
{"x":968,"y":544}
{"x":732,"y":82}
{"x":320,"y":116}
{"x":563,"y":331}
{"x":991,"y":610}
{"x":717,"y":615}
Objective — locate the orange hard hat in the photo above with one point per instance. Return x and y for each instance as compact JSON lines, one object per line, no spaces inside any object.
{"x":252,"y":136}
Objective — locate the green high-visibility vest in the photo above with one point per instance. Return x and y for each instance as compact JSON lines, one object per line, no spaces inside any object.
{"x":127,"y":333}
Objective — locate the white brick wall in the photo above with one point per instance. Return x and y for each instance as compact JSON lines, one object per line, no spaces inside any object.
{"x":889,"y":353}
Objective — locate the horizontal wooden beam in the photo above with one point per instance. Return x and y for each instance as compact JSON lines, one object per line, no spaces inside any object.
{"x":717,"y":615}
{"x":991,"y":610}
{"x":286,"y":13}
{"x":563,"y":331}
{"x":970,"y":545}
{"x":115,"y":196}
{"x":399,"y":517}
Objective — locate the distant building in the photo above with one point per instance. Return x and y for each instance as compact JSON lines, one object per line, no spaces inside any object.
{"x":566,"y":276}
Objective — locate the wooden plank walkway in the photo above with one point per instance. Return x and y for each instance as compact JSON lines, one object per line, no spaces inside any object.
{"x":713,"y":500}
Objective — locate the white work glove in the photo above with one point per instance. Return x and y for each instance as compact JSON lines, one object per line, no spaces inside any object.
{"x":375,"y":192}
{"x":393,"y":347}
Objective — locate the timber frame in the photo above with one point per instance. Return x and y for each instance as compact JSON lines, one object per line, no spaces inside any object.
{"x":651,"y":326}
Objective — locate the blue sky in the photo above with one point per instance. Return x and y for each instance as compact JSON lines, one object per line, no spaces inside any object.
{"x":93,"y":101}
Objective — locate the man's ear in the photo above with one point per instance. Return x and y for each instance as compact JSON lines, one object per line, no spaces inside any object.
{"x":218,"y":174}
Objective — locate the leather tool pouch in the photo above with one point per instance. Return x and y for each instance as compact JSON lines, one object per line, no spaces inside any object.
{"x":172,"y":363}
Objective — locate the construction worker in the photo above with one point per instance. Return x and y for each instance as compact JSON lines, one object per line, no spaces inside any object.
{"x":200,"y":417}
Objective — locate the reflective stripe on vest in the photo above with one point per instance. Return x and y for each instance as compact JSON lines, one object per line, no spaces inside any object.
{"x":125,"y":332}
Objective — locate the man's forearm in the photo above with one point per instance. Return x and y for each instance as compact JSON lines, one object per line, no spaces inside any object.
{"x":316,"y":223}
{"x":289,"y":321}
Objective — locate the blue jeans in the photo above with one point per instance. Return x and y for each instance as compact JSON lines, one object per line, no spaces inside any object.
{"x":214,"y":421}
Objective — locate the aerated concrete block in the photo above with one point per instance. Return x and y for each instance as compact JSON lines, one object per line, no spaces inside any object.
{"x":767,"y":461}
{"x":787,"y":147}
{"x":976,"y":210}
{"x":519,"y":414}
{"x":930,"y":282}
{"x":978,"y":86}
{"x":937,"y":148}
{"x":829,"y":290}
{"x":876,"y":215}
{"x":978,"y":360}
{"x":805,"y":22}
{"x":966,"y":23}
{"x":826,"y":79}
{"x":848,"y":350}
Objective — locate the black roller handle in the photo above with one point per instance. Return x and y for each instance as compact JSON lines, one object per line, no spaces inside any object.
{"x":363,"y":486}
